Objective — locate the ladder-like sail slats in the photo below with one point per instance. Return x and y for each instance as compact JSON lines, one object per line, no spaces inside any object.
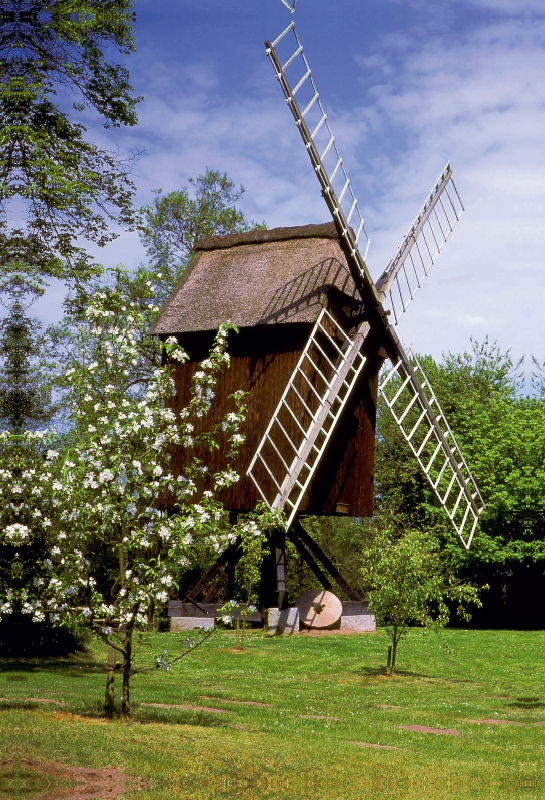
{"x":339,"y":164}
{"x":270,"y":474}
{"x":445,"y":215}
{"x":403,"y":385}
{"x":330,"y":171}
{"x":318,"y":371}
{"x":416,"y":425}
{"x":285,"y":439}
{"x":427,"y":235}
{"x":438,"y":219}
{"x":328,"y":148}
{"x":411,"y":400}
{"x":279,"y":38}
{"x":295,"y":419}
{"x":305,"y":406}
{"x":301,"y":82}
{"x":315,"y":397}
{"x":293,"y":57}
{"x":329,"y":361}
{"x":354,"y":204}
{"x":307,"y":109}
{"x":434,"y":455}
{"x":318,"y":126}
{"x":425,"y":439}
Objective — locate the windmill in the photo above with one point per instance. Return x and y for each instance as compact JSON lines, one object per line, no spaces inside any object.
{"x":337,"y":362}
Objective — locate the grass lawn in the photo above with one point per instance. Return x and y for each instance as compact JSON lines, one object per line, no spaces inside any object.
{"x":293,"y":717}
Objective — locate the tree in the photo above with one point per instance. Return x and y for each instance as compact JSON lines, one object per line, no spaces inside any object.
{"x":124,"y":527}
{"x":24,"y":519}
{"x":176,"y":221}
{"x":502,"y":436}
{"x":25,"y":407}
{"x":63,"y":346}
{"x":25,"y":396}
{"x":173,"y":226}
{"x":72,"y":188}
{"x":407,"y":584}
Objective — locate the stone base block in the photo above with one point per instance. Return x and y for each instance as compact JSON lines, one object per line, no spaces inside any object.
{"x":178,"y":609}
{"x":282,"y":621}
{"x":189,"y":623}
{"x":356,"y":617}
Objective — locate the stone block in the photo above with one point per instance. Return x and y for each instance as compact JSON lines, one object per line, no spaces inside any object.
{"x":207,"y":611}
{"x":282,"y":620}
{"x":190,"y":623}
{"x":356,"y":617}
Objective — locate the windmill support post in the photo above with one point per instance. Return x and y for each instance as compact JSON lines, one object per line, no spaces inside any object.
{"x":299,"y":533}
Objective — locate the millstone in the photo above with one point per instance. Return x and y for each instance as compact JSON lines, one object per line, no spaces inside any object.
{"x":319,"y":609}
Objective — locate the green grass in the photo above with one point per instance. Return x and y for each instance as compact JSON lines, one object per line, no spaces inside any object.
{"x":281,"y":749}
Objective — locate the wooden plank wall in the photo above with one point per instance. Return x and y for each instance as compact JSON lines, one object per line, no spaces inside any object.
{"x":262,"y":360}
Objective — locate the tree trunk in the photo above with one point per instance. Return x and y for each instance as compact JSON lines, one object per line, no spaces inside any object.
{"x":127,"y":665}
{"x":394,"y":650}
{"x":109,"y":699}
{"x":151,"y":614}
{"x":126,"y":672}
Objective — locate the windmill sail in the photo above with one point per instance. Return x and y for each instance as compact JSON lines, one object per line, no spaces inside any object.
{"x":324,"y":154}
{"x":412,"y":403}
{"x":306,"y":416}
{"x":422,"y":244}
{"x":415,"y":409}
{"x":411,"y":400}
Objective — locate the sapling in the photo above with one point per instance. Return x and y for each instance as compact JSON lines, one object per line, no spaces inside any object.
{"x":407,"y":584}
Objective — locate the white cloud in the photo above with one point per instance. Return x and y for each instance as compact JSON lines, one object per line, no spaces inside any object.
{"x":480,"y":102}
{"x":476,"y":97}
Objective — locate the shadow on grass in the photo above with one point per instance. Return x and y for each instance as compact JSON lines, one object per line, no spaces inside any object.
{"x":173,"y":716}
{"x":373,"y":672}
{"x":528,"y":703}
{"x":146,"y":715}
{"x":140,"y":713}
{"x":71,"y":668}
{"x":28,"y":705}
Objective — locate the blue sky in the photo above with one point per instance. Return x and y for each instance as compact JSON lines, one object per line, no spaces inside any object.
{"x":407,"y":86}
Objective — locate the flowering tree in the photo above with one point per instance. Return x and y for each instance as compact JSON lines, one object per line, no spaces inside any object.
{"x":122,"y":526}
{"x":25,"y":520}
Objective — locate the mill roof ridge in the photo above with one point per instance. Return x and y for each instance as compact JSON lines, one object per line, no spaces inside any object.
{"x":324,"y":230}
{"x":260,"y":277}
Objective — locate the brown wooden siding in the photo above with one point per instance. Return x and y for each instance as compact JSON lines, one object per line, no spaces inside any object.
{"x":262,"y":360}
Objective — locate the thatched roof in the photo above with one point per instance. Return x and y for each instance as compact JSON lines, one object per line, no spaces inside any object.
{"x":257,"y":278}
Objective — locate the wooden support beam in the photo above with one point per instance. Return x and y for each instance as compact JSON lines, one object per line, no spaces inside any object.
{"x":272,"y":590}
{"x":223,"y":559}
{"x":215,"y":588}
{"x":228,"y":575}
{"x":310,"y":561}
{"x":279,"y":541}
{"x":317,"y":551}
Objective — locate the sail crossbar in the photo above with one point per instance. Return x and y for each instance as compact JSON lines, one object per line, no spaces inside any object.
{"x":305,"y":419}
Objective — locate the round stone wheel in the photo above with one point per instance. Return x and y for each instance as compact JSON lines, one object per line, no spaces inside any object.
{"x":319,"y":609}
